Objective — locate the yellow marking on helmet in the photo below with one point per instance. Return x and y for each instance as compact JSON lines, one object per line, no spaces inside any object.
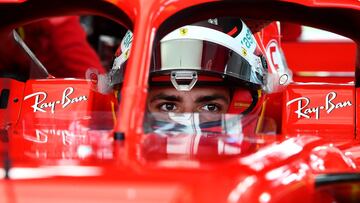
{"x":244,"y":52}
{"x":127,"y":54}
{"x":241,"y":104}
{"x":183,"y":31}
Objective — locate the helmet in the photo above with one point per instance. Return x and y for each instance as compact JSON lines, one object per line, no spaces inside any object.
{"x":203,"y":54}
{"x":207,"y":54}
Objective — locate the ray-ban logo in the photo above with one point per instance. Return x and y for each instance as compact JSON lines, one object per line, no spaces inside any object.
{"x":304,"y":110}
{"x":66,"y":99}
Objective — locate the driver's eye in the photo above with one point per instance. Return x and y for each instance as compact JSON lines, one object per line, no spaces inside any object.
{"x":168,"y":107}
{"x":210,"y":108}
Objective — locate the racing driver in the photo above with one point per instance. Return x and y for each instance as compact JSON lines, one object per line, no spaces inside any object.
{"x":201,"y":72}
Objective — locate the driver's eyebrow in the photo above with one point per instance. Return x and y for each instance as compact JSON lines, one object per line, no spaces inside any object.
{"x":166,"y":97}
{"x":213,"y":97}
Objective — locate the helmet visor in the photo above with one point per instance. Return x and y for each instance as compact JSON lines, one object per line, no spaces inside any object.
{"x":206,"y":57}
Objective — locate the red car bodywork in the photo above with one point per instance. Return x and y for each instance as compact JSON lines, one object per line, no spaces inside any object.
{"x":314,"y":158}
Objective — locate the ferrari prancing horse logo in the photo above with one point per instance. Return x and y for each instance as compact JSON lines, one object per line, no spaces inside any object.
{"x":303,"y":110}
{"x":66,"y":100}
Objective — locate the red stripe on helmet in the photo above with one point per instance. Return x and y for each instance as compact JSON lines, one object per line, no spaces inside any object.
{"x":233,"y":31}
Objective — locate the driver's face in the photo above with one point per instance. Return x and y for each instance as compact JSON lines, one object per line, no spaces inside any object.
{"x":198,"y":100}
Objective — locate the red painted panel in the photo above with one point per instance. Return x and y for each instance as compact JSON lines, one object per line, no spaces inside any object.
{"x":357,"y":112}
{"x":320,"y":56}
{"x":11,"y":113}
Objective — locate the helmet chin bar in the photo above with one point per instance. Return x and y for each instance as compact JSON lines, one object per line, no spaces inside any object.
{"x":182,"y":76}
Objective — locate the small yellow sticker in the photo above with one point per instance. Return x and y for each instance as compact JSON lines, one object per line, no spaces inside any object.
{"x":127,"y":54}
{"x":183,"y":31}
{"x":244,"y":52}
{"x":241,"y":104}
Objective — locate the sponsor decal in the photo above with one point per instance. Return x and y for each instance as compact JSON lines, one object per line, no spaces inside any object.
{"x":127,"y":41}
{"x":66,"y":99}
{"x":213,"y":21}
{"x":272,"y":50}
{"x":304,"y":110}
{"x":277,"y":62}
{"x":183,"y":31}
{"x":125,"y":46}
{"x":243,"y":51}
{"x":247,"y":39}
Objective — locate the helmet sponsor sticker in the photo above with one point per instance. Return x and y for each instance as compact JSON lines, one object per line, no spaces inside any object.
{"x":126,"y":41}
{"x":183,"y":31}
{"x":247,"y":39}
{"x":125,"y":47}
{"x":244,"y":52}
{"x":213,"y":21}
